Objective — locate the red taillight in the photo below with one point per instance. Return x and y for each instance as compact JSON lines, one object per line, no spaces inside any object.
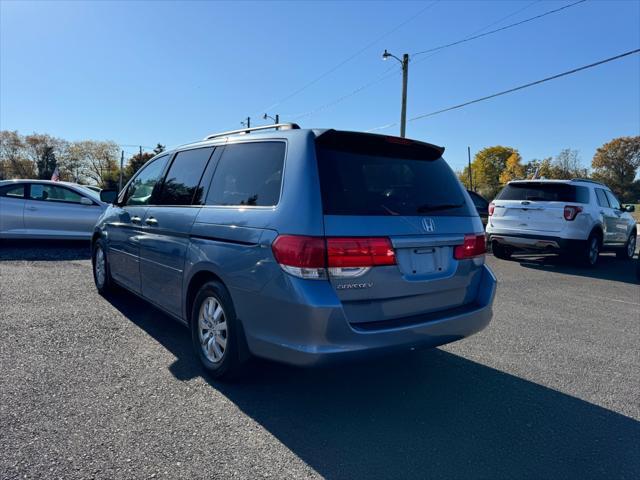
{"x":309,"y":257}
{"x":473,"y":246}
{"x":492,"y":207}
{"x":359,"y":252}
{"x":571,"y":212}
{"x":299,"y":251}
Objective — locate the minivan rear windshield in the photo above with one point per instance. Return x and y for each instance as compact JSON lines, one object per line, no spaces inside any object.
{"x":544,"y":192}
{"x":363,"y":174}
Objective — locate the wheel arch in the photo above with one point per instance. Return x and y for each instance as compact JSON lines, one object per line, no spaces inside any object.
{"x":598,"y":231}
{"x":196,"y":281}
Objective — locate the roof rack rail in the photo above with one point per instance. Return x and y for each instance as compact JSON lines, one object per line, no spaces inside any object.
{"x":276,"y":126}
{"x":587,"y":180}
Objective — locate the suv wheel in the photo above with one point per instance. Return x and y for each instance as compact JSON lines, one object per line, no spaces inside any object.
{"x":500,"y":251}
{"x":592,"y":251}
{"x":215,"y":331}
{"x":629,"y":249}
{"x":101,"y":274}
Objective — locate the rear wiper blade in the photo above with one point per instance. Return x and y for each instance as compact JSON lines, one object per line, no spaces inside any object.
{"x":433,"y":208}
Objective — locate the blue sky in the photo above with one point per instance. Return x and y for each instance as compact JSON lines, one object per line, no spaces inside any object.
{"x":148,"y":72}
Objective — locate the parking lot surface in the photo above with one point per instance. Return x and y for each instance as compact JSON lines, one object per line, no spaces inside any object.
{"x":109,"y":388}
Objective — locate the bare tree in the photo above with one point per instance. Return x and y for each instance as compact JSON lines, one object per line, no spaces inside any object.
{"x":13,"y":160}
{"x":98,"y":161}
{"x":567,"y":165}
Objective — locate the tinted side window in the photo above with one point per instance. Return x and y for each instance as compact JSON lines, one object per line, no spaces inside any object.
{"x":182,"y":183}
{"x":602,"y":198}
{"x":140,"y":189}
{"x":52,"y":193}
{"x":248,"y":174}
{"x":12,"y":191}
{"x":613,"y":201}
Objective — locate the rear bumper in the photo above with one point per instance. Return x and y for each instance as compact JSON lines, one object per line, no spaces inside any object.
{"x":534,"y":242}
{"x":312,"y":333}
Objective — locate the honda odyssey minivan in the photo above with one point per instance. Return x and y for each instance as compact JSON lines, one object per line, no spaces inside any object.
{"x":301,"y":246}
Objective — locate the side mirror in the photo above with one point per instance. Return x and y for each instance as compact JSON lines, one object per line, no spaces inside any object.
{"x":85,"y":201}
{"x":108,"y":196}
{"x":629,"y":208}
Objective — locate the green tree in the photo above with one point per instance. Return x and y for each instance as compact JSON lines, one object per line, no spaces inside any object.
{"x":46,"y":163}
{"x":539,"y":168}
{"x":616,"y":163}
{"x":135,"y":163}
{"x":487,"y":166}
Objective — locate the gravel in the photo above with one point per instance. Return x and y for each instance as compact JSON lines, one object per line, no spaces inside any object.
{"x":108,"y":388}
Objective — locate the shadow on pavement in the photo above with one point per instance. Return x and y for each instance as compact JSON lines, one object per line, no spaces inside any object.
{"x":429,"y":414}
{"x":608,"y":267}
{"x":45,"y":250}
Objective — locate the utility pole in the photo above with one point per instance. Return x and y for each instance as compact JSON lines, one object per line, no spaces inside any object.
{"x":247,"y":123}
{"x":121,"y":166}
{"x":470,"y":176}
{"x":276,"y":120}
{"x":405,"y":78}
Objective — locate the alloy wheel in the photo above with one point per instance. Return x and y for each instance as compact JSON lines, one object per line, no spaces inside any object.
{"x":594,"y":250}
{"x":631,"y":246}
{"x":100,"y":267}
{"x":212,"y":330}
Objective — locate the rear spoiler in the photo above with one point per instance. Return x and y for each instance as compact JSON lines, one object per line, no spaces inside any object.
{"x":378,"y":145}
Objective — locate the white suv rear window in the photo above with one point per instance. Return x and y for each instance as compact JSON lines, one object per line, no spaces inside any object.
{"x":544,"y":192}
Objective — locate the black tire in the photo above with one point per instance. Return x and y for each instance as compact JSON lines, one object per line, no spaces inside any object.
{"x":207,"y":342}
{"x":500,"y":251}
{"x":589,"y":254}
{"x":629,"y":249}
{"x":103,"y":282}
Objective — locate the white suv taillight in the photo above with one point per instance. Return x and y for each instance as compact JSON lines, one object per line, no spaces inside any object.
{"x":492,"y":208}
{"x":316,"y":257}
{"x":571,"y":212}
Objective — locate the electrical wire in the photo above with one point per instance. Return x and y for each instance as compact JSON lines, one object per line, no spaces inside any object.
{"x":347,"y":60}
{"x":475,"y":37}
{"x":383,"y":75}
{"x":511,"y":90}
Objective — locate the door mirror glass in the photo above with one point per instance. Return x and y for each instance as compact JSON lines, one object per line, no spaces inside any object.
{"x":629,"y":208}
{"x":108,"y":196}
{"x":85,"y":201}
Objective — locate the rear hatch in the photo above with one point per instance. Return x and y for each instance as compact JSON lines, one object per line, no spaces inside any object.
{"x":377,"y":187}
{"x":535,"y":206}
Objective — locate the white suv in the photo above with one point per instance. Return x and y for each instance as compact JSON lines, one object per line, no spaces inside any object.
{"x":577,"y":217}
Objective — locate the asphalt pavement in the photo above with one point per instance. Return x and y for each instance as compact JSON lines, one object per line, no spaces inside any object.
{"x":94,"y":387}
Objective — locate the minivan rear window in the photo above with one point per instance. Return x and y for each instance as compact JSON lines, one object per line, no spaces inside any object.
{"x":369,"y":175}
{"x":544,"y":192}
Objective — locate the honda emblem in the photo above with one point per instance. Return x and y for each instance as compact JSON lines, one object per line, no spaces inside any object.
{"x":428,"y":225}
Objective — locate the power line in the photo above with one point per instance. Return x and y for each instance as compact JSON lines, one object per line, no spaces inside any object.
{"x":347,"y":60}
{"x":521,"y":87}
{"x":383,"y":75}
{"x":475,"y":37}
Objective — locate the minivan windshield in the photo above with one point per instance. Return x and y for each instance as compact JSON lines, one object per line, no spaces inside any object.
{"x":544,"y":192}
{"x":368,"y":175}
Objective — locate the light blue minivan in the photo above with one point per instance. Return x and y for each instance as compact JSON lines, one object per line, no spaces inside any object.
{"x":299,"y":245}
